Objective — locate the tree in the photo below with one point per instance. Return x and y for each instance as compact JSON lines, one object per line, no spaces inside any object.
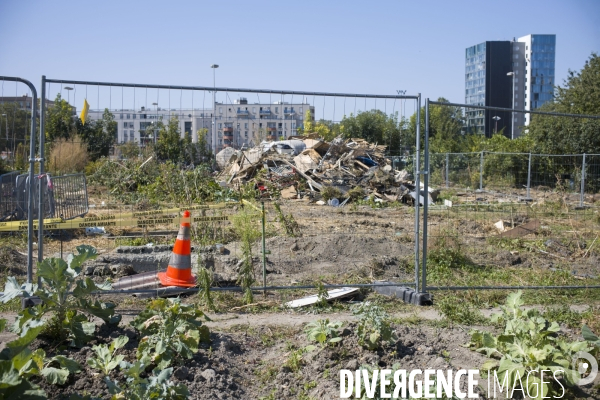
{"x":565,"y":135}
{"x":170,"y":145}
{"x":98,"y":135}
{"x":445,"y":128}
{"x":375,"y":127}
{"x":59,"y":120}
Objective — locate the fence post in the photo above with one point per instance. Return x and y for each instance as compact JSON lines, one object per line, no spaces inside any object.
{"x":447,"y":169}
{"x":529,"y":178}
{"x":481,"y":172}
{"x":264,"y":251}
{"x":582,"y":181}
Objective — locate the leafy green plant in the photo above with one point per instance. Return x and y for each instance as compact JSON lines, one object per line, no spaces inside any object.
{"x":246,"y":228}
{"x":205,"y":280}
{"x":65,"y":293}
{"x":18,"y":364}
{"x":592,"y":339}
{"x":323,"y":332}
{"x":171,"y":331}
{"x":322,"y":294}
{"x":106,"y":360}
{"x":157,"y":386}
{"x":374,"y":326}
{"x":528,"y":345}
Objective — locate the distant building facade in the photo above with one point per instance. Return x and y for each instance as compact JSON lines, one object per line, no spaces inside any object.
{"x":491,"y":67}
{"x":238,"y":125}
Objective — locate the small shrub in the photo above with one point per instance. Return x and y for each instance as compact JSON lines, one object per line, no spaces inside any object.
{"x":68,"y":156}
{"x":171,"y":331}
{"x":330,"y":192}
{"x":66,"y":295}
{"x":246,"y":227}
{"x":323,"y":332}
{"x":356,"y":193}
{"x":156,"y":386}
{"x":106,"y":359}
{"x":529,"y":344}
{"x":374,"y":326}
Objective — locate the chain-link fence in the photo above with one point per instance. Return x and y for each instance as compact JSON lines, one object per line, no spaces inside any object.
{"x":517,"y":173}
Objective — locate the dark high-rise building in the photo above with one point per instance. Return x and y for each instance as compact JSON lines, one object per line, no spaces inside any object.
{"x":517,"y":74}
{"x":487,"y":84}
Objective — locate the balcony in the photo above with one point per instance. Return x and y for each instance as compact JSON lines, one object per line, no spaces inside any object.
{"x":243,"y":113}
{"x":265,"y":112}
{"x":227,"y":129}
{"x":271,"y":128}
{"x":227,"y":137}
{"x":289,"y":111}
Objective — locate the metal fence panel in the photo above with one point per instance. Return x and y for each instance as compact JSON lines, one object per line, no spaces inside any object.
{"x":67,"y":196}
{"x":8,"y":201}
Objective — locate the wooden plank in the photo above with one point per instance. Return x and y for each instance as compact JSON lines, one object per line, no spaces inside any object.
{"x":522,"y":230}
{"x":333,"y":294}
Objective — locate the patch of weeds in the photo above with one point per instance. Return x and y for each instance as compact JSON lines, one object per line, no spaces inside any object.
{"x":564,"y":315}
{"x":266,"y":374}
{"x":292,"y":229}
{"x":412,"y":319}
{"x":322,"y":294}
{"x":460,"y":312}
{"x":446,"y":254}
{"x":295,"y":360}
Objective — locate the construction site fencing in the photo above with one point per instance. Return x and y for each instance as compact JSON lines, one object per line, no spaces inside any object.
{"x":508,"y":220}
{"x":223,"y":117}
{"x":517,"y":173}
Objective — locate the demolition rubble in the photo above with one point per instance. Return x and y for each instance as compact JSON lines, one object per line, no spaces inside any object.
{"x":306,"y":167}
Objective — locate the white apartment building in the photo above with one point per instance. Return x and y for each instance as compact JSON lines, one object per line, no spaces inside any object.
{"x":245,"y":125}
{"x":238,"y":125}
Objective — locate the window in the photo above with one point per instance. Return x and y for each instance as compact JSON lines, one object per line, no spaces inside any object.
{"x":246,"y":125}
{"x":133,"y":116}
{"x":121,"y":116}
{"x":276,"y":109}
{"x":128,"y":116}
{"x":253,"y":109}
{"x":300,"y":109}
{"x":220,"y":110}
{"x":246,"y":133}
{"x":220,"y":125}
{"x":131,"y":125}
{"x":125,"y":124}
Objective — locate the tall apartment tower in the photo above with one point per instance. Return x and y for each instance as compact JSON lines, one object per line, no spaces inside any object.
{"x":508,"y":74}
{"x":487,"y":84}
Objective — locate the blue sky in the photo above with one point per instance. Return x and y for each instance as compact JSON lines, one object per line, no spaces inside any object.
{"x":374,"y":47}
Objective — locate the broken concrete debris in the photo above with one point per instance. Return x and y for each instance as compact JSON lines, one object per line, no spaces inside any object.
{"x":309,"y":167}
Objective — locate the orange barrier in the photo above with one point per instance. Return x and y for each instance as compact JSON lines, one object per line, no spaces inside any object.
{"x":179,"y":271}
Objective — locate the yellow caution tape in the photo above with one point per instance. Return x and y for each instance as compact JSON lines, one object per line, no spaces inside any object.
{"x":148,"y":218}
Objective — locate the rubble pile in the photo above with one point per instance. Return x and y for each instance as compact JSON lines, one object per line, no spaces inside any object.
{"x":309,"y":167}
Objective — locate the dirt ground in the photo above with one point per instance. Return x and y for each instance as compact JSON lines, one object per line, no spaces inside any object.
{"x":248,"y":357}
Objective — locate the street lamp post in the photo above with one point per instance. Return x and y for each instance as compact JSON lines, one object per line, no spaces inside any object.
{"x":214,"y":122}
{"x":68,"y":89}
{"x":496,"y":118}
{"x":155,"y":124}
{"x":512,"y":129}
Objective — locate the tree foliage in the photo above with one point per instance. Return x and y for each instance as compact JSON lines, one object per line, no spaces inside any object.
{"x":98,"y":135}
{"x":59,"y":120}
{"x":566,"y":135}
{"x":376,"y":127}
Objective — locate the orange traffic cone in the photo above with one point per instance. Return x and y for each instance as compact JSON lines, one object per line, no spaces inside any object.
{"x":179,"y":271}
